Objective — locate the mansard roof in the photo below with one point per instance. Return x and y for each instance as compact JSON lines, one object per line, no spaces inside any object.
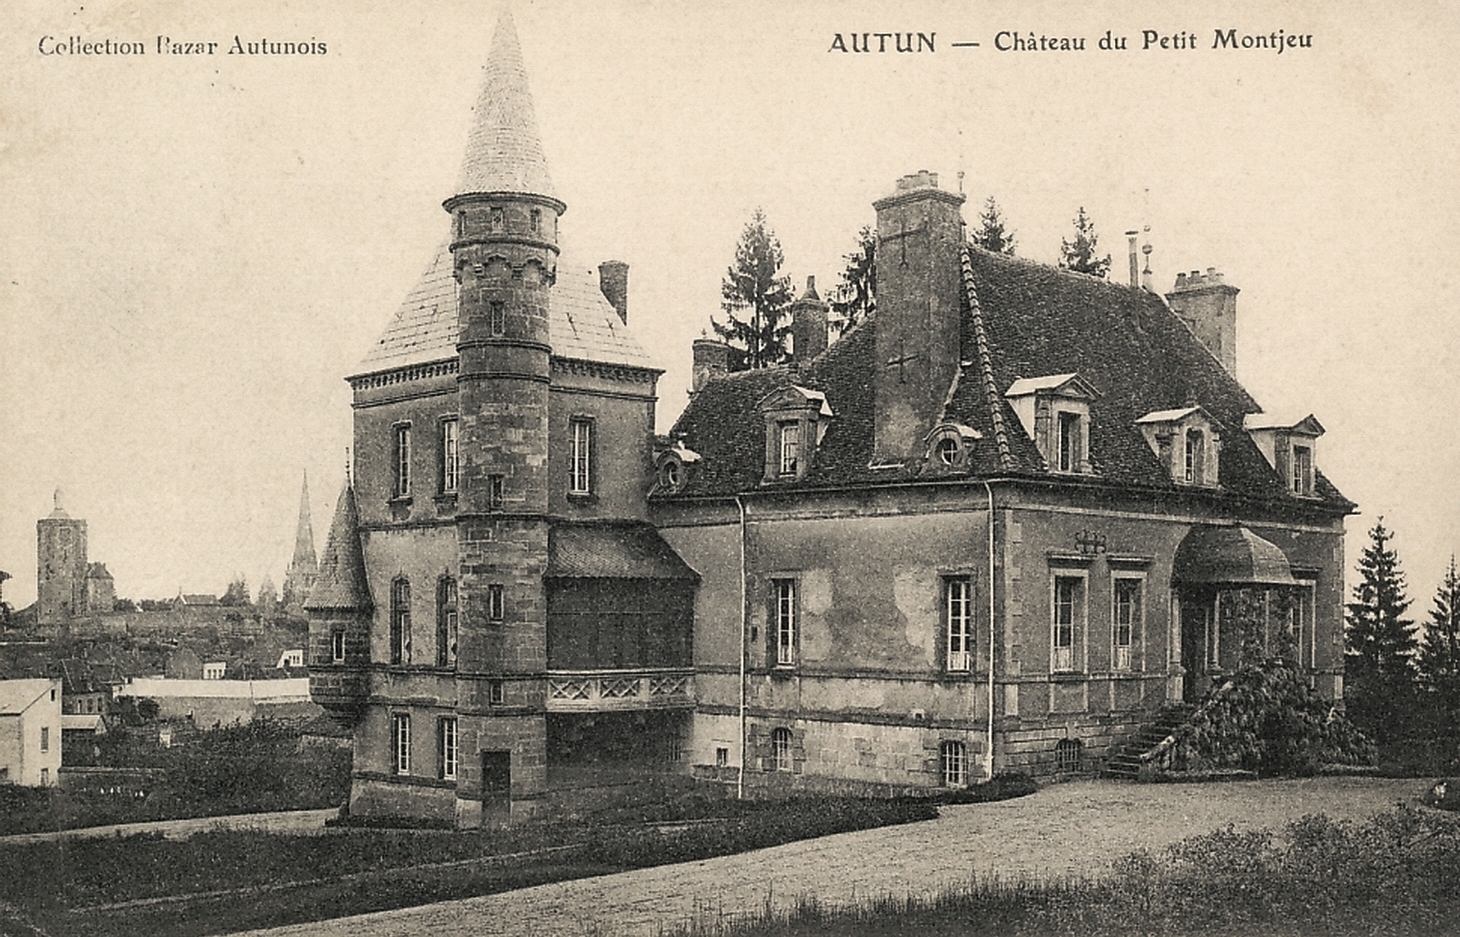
{"x":342,"y":584}
{"x":1019,"y":320}
{"x":582,"y":324}
{"x":503,"y":150}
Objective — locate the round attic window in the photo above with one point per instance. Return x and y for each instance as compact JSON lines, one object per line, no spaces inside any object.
{"x":671,"y":474}
{"x":947,"y":450}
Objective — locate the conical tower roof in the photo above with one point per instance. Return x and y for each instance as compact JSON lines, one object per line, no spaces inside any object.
{"x":341,"y":584}
{"x":503,"y":151}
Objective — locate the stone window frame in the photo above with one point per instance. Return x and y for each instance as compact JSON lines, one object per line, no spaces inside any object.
{"x":337,"y":646}
{"x":400,"y":744}
{"x":788,"y":407}
{"x":496,"y":492}
{"x":448,"y":745}
{"x":969,"y":641}
{"x":1301,"y":484}
{"x":401,"y":445}
{"x":788,"y":447}
{"x":1079,"y":623}
{"x":1069,"y":756}
{"x":782,"y":750}
{"x":1136,"y":640}
{"x":582,"y":442}
{"x":783,"y":632}
{"x":496,"y":603}
{"x":448,"y":620}
{"x":448,"y":482}
{"x":1045,"y":406}
{"x":400,"y":621}
{"x":953,"y":763}
{"x":496,"y":692}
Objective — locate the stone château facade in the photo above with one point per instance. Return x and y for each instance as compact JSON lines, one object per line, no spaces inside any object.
{"x":997,"y":526}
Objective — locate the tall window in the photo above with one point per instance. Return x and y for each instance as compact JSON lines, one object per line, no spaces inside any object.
{"x":446,"y":621}
{"x":954,"y":759}
{"x":400,"y":622}
{"x":784,"y":591}
{"x":790,"y":447}
{"x":536,"y":219}
{"x":337,"y":646}
{"x":960,"y":624}
{"x":496,"y":602}
{"x":449,"y":457}
{"x":1302,"y":470}
{"x":498,"y":311}
{"x":496,"y":692}
{"x":580,"y":479}
{"x":45,"y":738}
{"x":499,"y":219}
{"x":780,"y":749}
{"x":1195,"y":455}
{"x":1067,"y":612}
{"x":495,"y":496}
{"x":446,"y":732}
{"x":1069,"y":441}
{"x":402,"y":460}
{"x":1127,"y":622}
{"x":400,"y":749}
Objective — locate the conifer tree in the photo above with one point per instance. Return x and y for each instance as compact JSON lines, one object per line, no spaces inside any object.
{"x":1439,"y":652}
{"x":1079,"y":255}
{"x":855,"y":297}
{"x":1379,"y":666}
{"x":992,"y":233}
{"x":755,"y":298}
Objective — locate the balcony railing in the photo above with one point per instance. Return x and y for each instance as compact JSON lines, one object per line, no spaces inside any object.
{"x":598,"y":690}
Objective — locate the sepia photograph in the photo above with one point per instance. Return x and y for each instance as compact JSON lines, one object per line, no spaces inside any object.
{"x":532,"y":467}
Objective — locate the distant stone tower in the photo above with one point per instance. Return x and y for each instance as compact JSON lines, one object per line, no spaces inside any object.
{"x":299,"y":577}
{"x":504,"y":254}
{"x":61,"y":566}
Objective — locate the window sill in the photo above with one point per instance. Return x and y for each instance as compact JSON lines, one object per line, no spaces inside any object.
{"x":399,"y":499}
{"x":784,"y":670}
{"x":446,"y":497}
{"x":1068,"y":676}
{"x":582,"y":497}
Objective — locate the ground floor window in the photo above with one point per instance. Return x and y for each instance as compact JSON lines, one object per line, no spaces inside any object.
{"x":447,"y":730}
{"x":953,"y":757}
{"x":1127,"y":626}
{"x":1069,"y":755}
{"x":781,"y":749}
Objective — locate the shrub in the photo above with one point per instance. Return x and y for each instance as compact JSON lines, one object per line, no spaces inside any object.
{"x":1003,"y":786}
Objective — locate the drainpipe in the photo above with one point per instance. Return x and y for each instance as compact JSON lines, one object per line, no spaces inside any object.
{"x":989,"y":745}
{"x":740,"y":778}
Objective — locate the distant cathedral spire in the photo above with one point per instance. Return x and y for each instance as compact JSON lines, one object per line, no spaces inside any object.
{"x":299,"y":577}
{"x":503,"y":151}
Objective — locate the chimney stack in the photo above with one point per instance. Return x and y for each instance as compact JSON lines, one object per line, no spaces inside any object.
{"x":1208,"y":306}
{"x":711,"y":360}
{"x":1135,"y":265}
{"x":808,"y":325}
{"x":613,"y":281}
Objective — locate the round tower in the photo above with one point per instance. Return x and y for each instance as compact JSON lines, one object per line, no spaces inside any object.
{"x":504,"y":252}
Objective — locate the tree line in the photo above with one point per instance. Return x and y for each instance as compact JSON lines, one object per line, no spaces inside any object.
{"x":756,"y":296}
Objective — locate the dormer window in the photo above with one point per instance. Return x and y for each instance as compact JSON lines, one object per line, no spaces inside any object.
{"x":1186,"y":443}
{"x":1290,"y":447}
{"x":949,"y":446}
{"x":795,"y":420}
{"x":1055,"y":412}
{"x":672,"y":468}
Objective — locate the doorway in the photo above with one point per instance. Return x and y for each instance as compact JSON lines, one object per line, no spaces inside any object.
{"x":1196,"y":642}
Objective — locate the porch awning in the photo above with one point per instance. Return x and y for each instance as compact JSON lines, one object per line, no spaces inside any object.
{"x":613,"y":551}
{"x":1230,"y":556}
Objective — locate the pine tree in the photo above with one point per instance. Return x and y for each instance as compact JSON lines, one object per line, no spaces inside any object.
{"x":1379,"y":666}
{"x":1439,"y":652}
{"x":1079,"y":255}
{"x":992,"y":235}
{"x":855,"y":297}
{"x":754,"y":284}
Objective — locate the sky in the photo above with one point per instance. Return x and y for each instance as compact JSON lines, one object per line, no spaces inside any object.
{"x":197,"y":249}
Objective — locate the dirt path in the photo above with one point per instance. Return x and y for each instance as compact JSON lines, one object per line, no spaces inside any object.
{"x":1077,"y":828}
{"x":289,"y":821}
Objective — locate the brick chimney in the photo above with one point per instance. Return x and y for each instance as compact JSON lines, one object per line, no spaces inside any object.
{"x":711,"y":360}
{"x":1208,"y":306}
{"x":808,"y":324}
{"x":919,"y":290}
{"x":613,"y":280}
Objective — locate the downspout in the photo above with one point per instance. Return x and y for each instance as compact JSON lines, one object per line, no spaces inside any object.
{"x":740,"y":777}
{"x":989,"y":745}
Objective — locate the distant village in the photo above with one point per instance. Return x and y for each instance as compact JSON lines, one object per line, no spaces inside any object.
{"x":84,"y":665}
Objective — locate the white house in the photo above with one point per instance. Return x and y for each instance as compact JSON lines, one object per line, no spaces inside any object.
{"x":30,"y":732}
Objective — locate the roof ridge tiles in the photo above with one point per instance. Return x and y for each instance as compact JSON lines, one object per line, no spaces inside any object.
{"x":985,"y":362}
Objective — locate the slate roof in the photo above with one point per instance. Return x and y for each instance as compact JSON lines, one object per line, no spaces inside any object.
{"x":1021,"y":320}
{"x":621,"y":550}
{"x":342,"y":583}
{"x":503,"y":150}
{"x":1230,"y":556}
{"x":582,"y":324}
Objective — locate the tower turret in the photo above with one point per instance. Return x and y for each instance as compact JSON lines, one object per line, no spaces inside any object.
{"x":504,"y":255}
{"x":60,"y":566}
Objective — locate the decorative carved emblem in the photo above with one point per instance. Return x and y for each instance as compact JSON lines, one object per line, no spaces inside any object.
{"x":1090,"y":542}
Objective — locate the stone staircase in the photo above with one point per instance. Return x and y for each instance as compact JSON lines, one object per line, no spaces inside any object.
{"x":1126,"y":762}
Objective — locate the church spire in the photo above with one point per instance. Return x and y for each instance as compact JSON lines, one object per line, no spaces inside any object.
{"x":503,"y":152}
{"x":299,"y":577}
